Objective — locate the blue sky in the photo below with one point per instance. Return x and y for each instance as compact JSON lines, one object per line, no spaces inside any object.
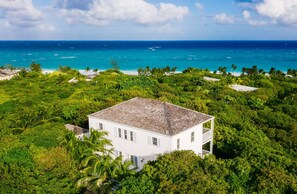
{"x":148,"y":20}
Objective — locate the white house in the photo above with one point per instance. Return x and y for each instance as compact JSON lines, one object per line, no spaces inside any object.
{"x":142,"y":128}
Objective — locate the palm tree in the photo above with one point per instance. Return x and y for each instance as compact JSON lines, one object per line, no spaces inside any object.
{"x":97,"y":141}
{"x":261,"y":71}
{"x":272,"y":71}
{"x":96,"y":70}
{"x":254,"y":70}
{"x":140,"y":71}
{"x":166,"y":69}
{"x":173,"y":70}
{"x":73,"y":146}
{"x":88,"y":69}
{"x":223,"y":70}
{"x":234,"y":67}
{"x":100,"y":171}
{"x":244,"y":70}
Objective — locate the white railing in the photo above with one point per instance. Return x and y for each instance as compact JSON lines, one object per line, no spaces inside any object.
{"x":204,"y":153}
{"x":207,"y":135}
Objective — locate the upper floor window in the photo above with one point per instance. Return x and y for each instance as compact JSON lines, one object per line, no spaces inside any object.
{"x":101,"y":126}
{"x":131,"y":136}
{"x":155,"y":141}
{"x":120,"y":132}
{"x":192,"y":136}
{"x":125,"y":134}
{"x":178,"y":144}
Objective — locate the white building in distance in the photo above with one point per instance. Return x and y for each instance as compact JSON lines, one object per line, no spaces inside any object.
{"x":140,"y":129}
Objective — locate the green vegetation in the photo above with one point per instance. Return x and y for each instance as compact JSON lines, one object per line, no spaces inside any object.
{"x":255,"y":148}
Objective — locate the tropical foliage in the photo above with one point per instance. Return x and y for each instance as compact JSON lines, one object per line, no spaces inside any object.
{"x":255,"y":148}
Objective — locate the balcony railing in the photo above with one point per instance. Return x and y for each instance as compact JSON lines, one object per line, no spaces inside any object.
{"x":204,"y":153}
{"x":207,"y":135}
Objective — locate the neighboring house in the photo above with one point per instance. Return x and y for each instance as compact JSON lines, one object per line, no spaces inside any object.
{"x":78,"y":131}
{"x":6,"y":74}
{"x":142,"y":128}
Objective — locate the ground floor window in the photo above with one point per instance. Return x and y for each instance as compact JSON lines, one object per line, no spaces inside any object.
{"x":134,"y":160}
{"x":101,"y":126}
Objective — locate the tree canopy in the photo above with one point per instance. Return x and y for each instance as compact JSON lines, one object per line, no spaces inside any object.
{"x":255,"y":137}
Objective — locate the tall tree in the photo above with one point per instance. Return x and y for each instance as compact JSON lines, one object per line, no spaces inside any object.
{"x":100,"y":170}
{"x":35,"y":67}
{"x":88,"y":69}
{"x":272,"y":71}
{"x":96,"y":70}
{"x":234,"y":67}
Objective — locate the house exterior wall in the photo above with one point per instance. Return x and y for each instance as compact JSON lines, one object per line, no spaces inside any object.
{"x":185,"y":140}
{"x":142,"y":145}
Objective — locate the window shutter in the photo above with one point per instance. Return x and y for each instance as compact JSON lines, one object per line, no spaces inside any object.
{"x":134,"y":136}
{"x":149,"y":140}
{"x":116,"y":153}
{"x":158,"y":142}
{"x":115,"y":132}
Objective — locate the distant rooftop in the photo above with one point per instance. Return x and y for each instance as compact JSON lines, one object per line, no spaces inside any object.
{"x":153,"y":115}
{"x":211,"y":79}
{"x":241,"y":88}
{"x":76,"y":129}
{"x":6,"y":74}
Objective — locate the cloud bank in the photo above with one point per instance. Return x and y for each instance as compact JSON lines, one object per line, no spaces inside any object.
{"x":279,"y":11}
{"x":248,"y":18}
{"x":282,"y":12}
{"x":102,"y":12}
{"x":223,"y":19}
{"x":199,"y":6}
{"x":22,"y":14}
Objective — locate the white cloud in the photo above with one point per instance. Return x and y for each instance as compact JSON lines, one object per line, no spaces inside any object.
{"x":199,"y":5}
{"x":22,"y":14}
{"x":101,"y":12}
{"x":223,"y":19}
{"x":280,"y":11}
{"x":247,"y":16}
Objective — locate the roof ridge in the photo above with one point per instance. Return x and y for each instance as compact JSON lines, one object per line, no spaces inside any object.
{"x":194,"y":111}
{"x":167,"y":117}
{"x":154,"y":115}
{"x":123,"y":102}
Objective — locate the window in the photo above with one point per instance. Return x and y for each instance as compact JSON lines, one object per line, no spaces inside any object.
{"x":178,"y":144}
{"x":125,"y":134}
{"x":134,"y":160}
{"x":120,"y":132}
{"x":117,"y":153}
{"x":155,"y":141}
{"x":192,"y":136}
{"x":101,"y":126}
{"x":131,"y":136}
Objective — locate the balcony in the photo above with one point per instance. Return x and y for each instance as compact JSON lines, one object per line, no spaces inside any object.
{"x":205,"y":153}
{"x":207,"y":135}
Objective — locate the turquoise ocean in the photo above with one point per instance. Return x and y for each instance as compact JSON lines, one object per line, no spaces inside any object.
{"x":131,"y":55}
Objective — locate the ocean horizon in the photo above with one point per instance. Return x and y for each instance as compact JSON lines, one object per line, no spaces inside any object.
{"x":131,"y":55}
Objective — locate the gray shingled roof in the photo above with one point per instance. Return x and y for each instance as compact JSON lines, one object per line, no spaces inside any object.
{"x":152,"y":115}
